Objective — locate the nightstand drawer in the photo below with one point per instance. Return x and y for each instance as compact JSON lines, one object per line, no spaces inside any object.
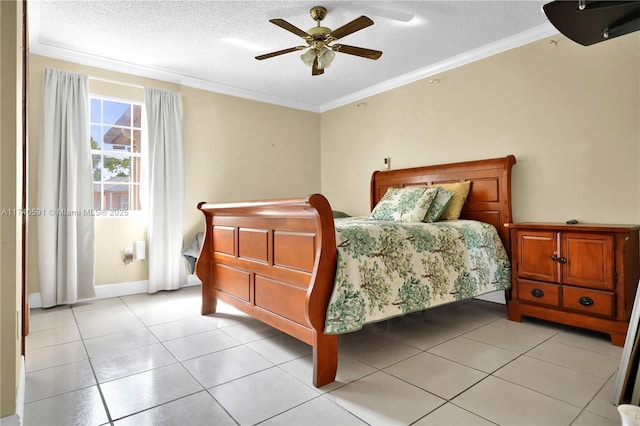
{"x":538,"y":292}
{"x":591,"y":301}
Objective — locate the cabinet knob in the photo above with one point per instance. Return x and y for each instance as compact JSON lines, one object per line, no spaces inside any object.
{"x":536,"y":292}
{"x":562,"y":260}
{"x":585,"y":301}
{"x":554,"y":257}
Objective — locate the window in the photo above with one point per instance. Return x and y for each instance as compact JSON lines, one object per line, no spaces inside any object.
{"x":116,"y":135}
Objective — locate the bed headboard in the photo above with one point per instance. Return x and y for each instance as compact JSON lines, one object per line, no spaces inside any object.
{"x":489,"y":197}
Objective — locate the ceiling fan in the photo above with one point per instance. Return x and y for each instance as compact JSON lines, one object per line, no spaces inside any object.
{"x":590,"y":21}
{"x":320,"y":41}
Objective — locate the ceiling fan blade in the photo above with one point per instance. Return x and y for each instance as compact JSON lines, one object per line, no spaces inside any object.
{"x":357,"y":51}
{"x":314,"y":68}
{"x":597,"y":22}
{"x":351,"y":27}
{"x":289,"y":27}
{"x":279,"y":52}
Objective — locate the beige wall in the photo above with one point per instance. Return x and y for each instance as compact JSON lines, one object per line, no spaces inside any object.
{"x":568,"y":113}
{"x":10,"y":198}
{"x":234,"y":149}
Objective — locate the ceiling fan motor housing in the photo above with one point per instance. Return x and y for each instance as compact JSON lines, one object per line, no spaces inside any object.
{"x":318,"y":13}
{"x":319,"y":33}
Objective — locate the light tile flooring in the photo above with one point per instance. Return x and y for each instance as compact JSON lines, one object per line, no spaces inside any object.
{"x":152,"y":359}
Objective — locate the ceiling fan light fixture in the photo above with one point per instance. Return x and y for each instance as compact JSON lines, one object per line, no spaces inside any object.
{"x":325,"y":58}
{"x":308,"y":57}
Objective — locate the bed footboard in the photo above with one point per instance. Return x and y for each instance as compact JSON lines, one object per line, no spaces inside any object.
{"x":274,"y":260}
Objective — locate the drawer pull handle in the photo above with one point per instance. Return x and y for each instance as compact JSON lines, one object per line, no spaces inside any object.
{"x":536,"y":292}
{"x":585,"y":301}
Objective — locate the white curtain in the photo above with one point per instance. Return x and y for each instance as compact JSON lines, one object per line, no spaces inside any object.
{"x":165,"y":195}
{"x":66,"y":234}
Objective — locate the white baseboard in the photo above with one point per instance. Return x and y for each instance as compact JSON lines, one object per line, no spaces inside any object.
{"x":22,"y":381}
{"x":16,"y":419}
{"x":115,"y":290}
{"x":12,"y":420}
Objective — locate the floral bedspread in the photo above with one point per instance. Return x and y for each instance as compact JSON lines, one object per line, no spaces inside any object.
{"x":386,"y":269}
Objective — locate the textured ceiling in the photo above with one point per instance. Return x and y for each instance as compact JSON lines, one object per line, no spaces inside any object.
{"x":212,"y":44}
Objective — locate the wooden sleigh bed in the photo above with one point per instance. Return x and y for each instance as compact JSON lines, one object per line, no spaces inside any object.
{"x":276,"y":260}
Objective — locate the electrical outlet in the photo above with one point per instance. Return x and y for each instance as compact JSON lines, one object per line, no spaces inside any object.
{"x":386,"y":164}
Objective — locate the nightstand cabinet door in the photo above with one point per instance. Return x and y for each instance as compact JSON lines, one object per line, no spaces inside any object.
{"x":535,"y":255}
{"x":590,"y":260}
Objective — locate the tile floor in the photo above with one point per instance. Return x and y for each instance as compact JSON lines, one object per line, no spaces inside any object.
{"x":152,"y":359}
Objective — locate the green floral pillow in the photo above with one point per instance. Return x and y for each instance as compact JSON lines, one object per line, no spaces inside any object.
{"x":438,"y":205}
{"x":409,"y":204}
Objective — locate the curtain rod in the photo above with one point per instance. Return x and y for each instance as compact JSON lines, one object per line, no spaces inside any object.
{"x":106,"y":80}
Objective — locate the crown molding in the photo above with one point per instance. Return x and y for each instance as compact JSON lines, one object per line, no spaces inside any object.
{"x":36,"y":48}
{"x":508,"y":43}
{"x":169,"y":77}
{"x":491,"y":49}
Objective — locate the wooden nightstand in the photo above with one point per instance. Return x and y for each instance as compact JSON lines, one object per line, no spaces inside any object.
{"x":584,"y":275}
